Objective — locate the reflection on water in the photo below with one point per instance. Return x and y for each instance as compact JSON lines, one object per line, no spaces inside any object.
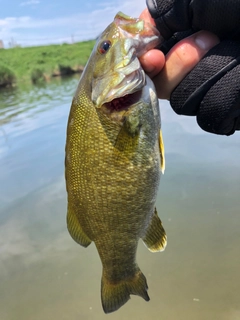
{"x":32,"y":136}
{"x":45,"y":275}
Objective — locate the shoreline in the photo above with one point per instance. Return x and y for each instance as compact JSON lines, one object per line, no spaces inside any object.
{"x":41,"y":64}
{"x":44,"y":77}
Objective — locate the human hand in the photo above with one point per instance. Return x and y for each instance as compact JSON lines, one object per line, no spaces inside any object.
{"x":168,"y":71}
{"x":209,"y":89}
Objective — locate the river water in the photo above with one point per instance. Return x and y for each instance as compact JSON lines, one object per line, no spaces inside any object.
{"x":45,"y":275}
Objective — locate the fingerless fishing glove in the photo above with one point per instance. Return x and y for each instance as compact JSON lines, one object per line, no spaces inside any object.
{"x":211,"y":91}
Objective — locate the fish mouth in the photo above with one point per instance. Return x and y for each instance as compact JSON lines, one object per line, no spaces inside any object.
{"x":127,"y":78}
{"x":123,"y":103}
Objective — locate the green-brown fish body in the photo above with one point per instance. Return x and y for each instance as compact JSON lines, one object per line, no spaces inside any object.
{"x":114,"y":158}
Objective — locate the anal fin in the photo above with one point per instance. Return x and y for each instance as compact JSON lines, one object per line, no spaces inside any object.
{"x":155,"y":237}
{"x":76,"y":230}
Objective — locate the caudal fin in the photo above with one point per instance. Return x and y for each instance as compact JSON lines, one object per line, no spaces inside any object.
{"x":115,"y":295}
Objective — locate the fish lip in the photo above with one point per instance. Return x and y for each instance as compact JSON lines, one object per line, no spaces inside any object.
{"x":150,"y":35}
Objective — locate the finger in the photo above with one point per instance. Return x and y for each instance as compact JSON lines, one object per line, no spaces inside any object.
{"x":152,"y":62}
{"x":181,"y":59}
{"x":145,"y":15}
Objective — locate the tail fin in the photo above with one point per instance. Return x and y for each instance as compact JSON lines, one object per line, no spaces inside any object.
{"x":115,"y":295}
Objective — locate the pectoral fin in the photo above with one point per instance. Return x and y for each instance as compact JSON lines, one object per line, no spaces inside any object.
{"x":155,"y":238}
{"x":126,"y":143}
{"x":161,"y":148}
{"x":75,"y":229}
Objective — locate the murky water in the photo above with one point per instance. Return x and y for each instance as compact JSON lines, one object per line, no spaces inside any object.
{"x":45,"y":275}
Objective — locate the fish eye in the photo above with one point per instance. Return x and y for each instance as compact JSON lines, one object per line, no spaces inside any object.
{"x":104,"y":46}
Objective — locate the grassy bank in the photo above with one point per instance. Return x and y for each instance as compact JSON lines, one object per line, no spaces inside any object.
{"x":41,"y":63}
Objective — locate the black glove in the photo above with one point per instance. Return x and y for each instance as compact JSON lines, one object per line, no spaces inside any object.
{"x":211,"y":91}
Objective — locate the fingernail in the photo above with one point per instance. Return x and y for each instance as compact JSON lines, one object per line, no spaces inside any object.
{"x":206,"y":40}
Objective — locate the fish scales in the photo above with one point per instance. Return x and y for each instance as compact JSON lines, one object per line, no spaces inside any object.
{"x":113,"y":162}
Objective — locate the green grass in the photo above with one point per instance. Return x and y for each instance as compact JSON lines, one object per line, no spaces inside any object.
{"x":41,"y":63}
{"x":7,"y":76}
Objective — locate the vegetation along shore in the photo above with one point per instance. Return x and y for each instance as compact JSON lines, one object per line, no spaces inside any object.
{"x":37,"y":64}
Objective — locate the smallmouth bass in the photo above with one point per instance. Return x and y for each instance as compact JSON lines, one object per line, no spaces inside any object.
{"x":114,"y":158}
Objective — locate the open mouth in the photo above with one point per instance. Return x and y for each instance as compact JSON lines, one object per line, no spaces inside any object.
{"x":123,"y":103}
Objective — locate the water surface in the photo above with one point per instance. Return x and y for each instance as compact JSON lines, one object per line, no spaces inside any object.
{"x":45,"y":275}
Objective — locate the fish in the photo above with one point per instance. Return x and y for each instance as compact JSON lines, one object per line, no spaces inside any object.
{"x":114,"y":158}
